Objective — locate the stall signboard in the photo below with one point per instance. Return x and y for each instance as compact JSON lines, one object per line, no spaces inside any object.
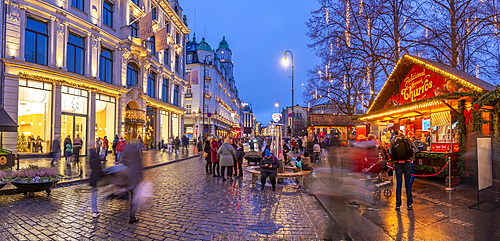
{"x":445,"y":147}
{"x":426,"y":124}
{"x":360,"y":130}
{"x":410,"y":130}
{"x":421,"y":83}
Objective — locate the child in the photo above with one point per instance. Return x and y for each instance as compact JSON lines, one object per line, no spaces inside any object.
{"x":69,"y":154}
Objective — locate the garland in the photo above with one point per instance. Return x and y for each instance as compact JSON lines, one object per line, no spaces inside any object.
{"x":431,"y":169}
{"x":461,"y":138}
{"x":65,"y":82}
{"x":433,"y":156}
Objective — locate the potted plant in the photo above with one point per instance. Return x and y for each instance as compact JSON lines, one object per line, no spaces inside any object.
{"x":4,"y":179}
{"x":35,"y":179}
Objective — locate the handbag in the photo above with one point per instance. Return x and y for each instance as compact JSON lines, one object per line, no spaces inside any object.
{"x":205,"y":154}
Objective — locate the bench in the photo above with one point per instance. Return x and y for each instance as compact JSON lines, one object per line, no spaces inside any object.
{"x":299,"y":174}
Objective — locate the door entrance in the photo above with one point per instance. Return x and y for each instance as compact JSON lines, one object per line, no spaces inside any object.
{"x":73,"y":125}
{"x":129,"y":127}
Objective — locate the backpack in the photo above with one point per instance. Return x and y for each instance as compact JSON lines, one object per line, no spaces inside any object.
{"x":401,"y":149}
{"x":421,"y":146}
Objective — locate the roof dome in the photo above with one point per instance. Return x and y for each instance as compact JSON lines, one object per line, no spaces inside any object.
{"x":204,"y":45}
{"x":223,"y":44}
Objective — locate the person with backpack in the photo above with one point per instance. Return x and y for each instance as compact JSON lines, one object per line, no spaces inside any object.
{"x":268,"y":168}
{"x":418,"y":147}
{"x":401,"y":152}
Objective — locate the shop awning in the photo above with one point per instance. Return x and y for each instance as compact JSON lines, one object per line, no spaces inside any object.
{"x":7,"y":124}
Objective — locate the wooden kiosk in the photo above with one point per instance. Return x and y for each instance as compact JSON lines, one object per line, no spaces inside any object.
{"x":329,"y":124}
{"x":433,"y":102}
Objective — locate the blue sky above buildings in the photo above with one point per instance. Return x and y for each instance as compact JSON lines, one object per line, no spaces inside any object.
{"x":258,"y":33}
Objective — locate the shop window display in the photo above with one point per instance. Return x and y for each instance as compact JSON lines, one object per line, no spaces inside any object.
{"x":34,"y":116}
{"x":164,"y":124}
{"x":175,"y":125}
{"x":74,"y":107}
{"x":149,"y":138}
{"x":105,"y":116}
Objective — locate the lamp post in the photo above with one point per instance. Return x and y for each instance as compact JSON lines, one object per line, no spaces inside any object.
{"x":285,"y":62}
{"x":204,"y":89}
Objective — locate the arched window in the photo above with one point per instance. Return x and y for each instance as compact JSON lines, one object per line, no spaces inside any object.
{"x":132,"y":74}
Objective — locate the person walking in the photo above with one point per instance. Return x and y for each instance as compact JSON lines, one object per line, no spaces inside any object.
{"x":162,"y":145}
{"x":177,"y":143}
{"x":227,"y":155}
{"x":132,"y":159}
{"x":214,"y":147}
{"x":268,"y":168}
{"x":238,"y":166}
{"x":115,"y":144}
{"x":77,"y":146}
{"x":56,"y":149}
{"x":95,"y":175}
{"x":105,"y":147}
{"x":300,"y":145}
{"x":69,"y":153}
{"x":294,"y":145}
{"x":98,"y":145}
{"x":208,"y":156}
{"x":170,"y":144}
{"x":400,"y":152}
{"x":120,"y":148}
{"x":185,"y":143}
{"x":67,"y":141}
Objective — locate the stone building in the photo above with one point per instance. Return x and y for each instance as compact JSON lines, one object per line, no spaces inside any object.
{"x":78,"y":67}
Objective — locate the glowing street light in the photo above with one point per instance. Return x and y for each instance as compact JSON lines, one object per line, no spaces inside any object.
{"x":285,"y":63}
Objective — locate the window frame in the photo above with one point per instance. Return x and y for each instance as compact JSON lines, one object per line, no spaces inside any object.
{"x":151,"y":90}
{"x":164,"y":90}
{"x":134,"y":28}
{"x":82,"y":48}
{"x":106,"y":59}
{"x":175,"y":96}
{"x":110,"y":11}
{"x":135,"y":68}
{"x":152,"y":41}
{"x":81,"y":8}
{"x":188,"y":109}
{"x":166,"y":57}
{"x":177,"y":61}
{"x":37,"y":33}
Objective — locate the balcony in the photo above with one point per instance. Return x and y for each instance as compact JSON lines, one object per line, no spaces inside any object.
{"x":135,"y":116}
{"x":188,"y":95}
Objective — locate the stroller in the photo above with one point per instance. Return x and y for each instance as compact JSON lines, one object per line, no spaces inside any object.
{"x":118,"y":176}
{"x":377,"y":174}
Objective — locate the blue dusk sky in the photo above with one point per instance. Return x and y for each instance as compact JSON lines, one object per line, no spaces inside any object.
{"x":258,"y":33}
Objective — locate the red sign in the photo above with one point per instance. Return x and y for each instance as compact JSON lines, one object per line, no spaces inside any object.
{"x":410,"y":130}
{"x":444,"y":147}
{"x":421,"y":83}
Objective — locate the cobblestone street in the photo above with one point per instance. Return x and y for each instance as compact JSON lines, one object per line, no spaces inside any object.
{"x":187,"y":204}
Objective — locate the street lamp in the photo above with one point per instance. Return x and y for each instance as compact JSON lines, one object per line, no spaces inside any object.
{"x":277,"y":104}
{"x":204,"y":89}
{"x":285,"y":63}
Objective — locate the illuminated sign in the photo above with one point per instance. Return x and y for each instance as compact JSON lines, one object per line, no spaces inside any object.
{"x":444,"y":147}
{"x":276,"y":117}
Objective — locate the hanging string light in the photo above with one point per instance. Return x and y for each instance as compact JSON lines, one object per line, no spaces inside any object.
{"x":369,"y":29}
{"x":468,"y":24}
{"x":475,"y":22}
{"x":347,"y":22}
{"x":360,"y":7}
{"x":496,"y":25}
{"x":368,"y":73}
{"x":319,"y":72}
{"x":330,"y":78}
{"x":477,"y":71}
{"x":327,"y":19}
{"x":344,"y":83}
{"x":338,"y":41}
{"x":404,"y":22}
{"x":331,"y":48}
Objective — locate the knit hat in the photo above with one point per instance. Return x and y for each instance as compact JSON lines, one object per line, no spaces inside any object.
{"x":268,"y":153}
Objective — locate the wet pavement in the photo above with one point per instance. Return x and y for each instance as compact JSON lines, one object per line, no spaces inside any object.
{"x":437,"y":215}
{"x":187,"y":204}
{"x":82,"y":171}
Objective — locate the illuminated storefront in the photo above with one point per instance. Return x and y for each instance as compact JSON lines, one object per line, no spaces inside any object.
{"x":105,"y":108}
{"x":74,"y":109}
{"x":34,"y":116}
{"x":176,"y":125}
{"x":164,"y":124}
{"x":149,"y":136}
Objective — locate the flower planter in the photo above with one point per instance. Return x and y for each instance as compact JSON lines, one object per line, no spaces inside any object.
{"x":255,"y":160}
{"x":2,"y":185}
{"x":30,"y":188}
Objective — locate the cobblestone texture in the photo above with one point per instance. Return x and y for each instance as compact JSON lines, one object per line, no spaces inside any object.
{"x":187,"y":204}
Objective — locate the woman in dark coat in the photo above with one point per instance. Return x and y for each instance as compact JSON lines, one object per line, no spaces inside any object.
{"x":215,"y":161}
{"x":67,"y":141}
{"x":268,"y":168}
{"x":207,"y":149}
{"x":239,"y":158}
{"x":95,"y":175}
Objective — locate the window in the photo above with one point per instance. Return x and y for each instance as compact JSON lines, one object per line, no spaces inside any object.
{"x":76,"y":53}
{"x":176,"y":95}
{"x":190,"y":58}
{"x":207,"y":89}
{"x":36,"y":42}
{"x":78,"y":4}
{"x":136,"y":2}
{"x":106,"y":65}
{"x":135,"y":28}
{"x":177,"y":38}
{"x":132,"y":74}
{"x":177,"y":63}
{"x":155,"y":13}
{"x":164,"y":91}
{"x":107,"y":13}
{"x":166,"y":57}
{"x":188,"y":109}
{"x":167,"y":25}
{"x":152,"y":40}
{"x":188,"y":91}
{"x":207,"y":108}
{"x":151,"y":84}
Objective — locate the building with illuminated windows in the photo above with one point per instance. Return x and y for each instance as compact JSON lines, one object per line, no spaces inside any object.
{"x":212,"y":102}
{"x":300,"y":121}
{"x":78,"y":67}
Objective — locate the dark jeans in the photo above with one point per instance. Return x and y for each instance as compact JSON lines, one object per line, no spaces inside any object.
{"x":412,"y":177}
{"x":272,"y":178}
{"x":238,"y":168}
{"x":76,"y":151}
{"x":403,"y":168}
{"x":215,"y":168}
{"x":208,"y":166}
{"x":229,"y":171}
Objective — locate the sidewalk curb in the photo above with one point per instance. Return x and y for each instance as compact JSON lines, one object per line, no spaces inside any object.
{"x":85,"y":180}
{"x":330,"y":215}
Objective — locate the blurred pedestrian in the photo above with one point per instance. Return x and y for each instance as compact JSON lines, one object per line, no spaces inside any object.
{"x":69,"y":153}
{"x":286,"y":150}
{"x":294,"y":145}
{"x":120,"y":149}
{"x":401,"y":152}
{"x":95,"y":175}
{"x":214,"y":147}
{"x":268,"y":168}
{"x":177,"y":143}
{"x":170,"y":144}
{"x":132,"y":158}
{"x":77,"y":146}
{"x":98,"y":146}
{"x":105,"y":147}
{"x":238,"y":166}
{"x":300,"y":145}
{"x":115,"y":144}
{"x":162,"y":145}
{"x":208,"y":156}
{"x":185,"y":143}
{"x":227,"y":155}
{"x":67,"y":141}
{"x":56,"y":149}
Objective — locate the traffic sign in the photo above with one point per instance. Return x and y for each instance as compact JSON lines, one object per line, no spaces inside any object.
{"x":289,"y":115}
{"x":209,"y":114}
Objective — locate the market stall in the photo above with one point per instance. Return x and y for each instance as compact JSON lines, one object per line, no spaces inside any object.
{"x":329,"y":124}
{"x":433,"y":102}
{"x":6,"y":125}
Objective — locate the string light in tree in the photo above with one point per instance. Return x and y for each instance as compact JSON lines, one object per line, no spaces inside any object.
{"x":347,"y":22}
{"x":427,"y":31}
{"x":344,"y":83}
{"x":404,"y":22}
{"x":368,"y":72}
{"x":369,"y":28}
{"x":477,"y":71}
{"x":327,"y":19}
{"x":468,"y":24}
{"x":360,"y":7}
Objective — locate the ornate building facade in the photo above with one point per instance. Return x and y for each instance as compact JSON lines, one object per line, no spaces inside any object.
{"x":79,"y":67}
{"x":212,"y":102}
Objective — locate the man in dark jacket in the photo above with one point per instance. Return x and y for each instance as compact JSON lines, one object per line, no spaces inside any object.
{"x":185,"y":143}
{"x":301,"y":149}
{"x":240,"y":153}
{"x":133,"y":160}
{"x":268,"y":168}
{"x":177,"y":143}
{"x":95,"y":175}
{"x":207,"y":149}
{"x":56,"y":148}
{"x":401,"y":150}
{"x":115,"y":144}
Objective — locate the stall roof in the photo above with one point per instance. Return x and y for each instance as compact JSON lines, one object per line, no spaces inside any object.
{"x":333,"y":120}
{"x":7,"y":124}
{"x":403,"y":67}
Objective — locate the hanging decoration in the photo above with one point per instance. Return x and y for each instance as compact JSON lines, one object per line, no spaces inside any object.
{"x":467,"y":115}
{"x":344,"y":83}
{"x":347,"y":22}
{"x":368,"y":72}
{"x":360,"y":7}
{"x":404,"y":22}
{"x":475,"y":23}
{"x":477,"y":71}
{"x":327,"y":20}
{"x":427,"y":31}
{"x":468,"y":26}
{"x":369,"y":29}
{"x":331,"y":48}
